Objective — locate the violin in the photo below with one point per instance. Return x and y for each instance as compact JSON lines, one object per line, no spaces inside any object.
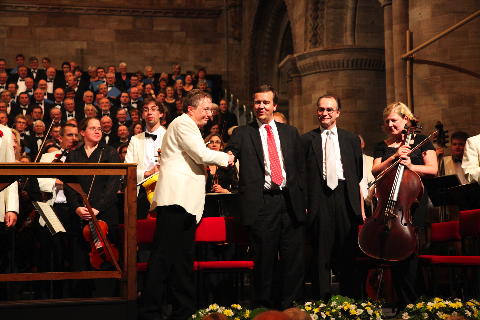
{"x":389,"y":233}
{"x":98,"y":255}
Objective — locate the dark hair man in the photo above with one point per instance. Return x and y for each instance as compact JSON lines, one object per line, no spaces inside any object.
{"x":334,"y":169}
{"x":271,"y":198}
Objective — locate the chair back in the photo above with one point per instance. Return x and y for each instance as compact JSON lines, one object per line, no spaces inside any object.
{"x":445,"y":231}
{"x":211,"y":229}
{"x":470,"y":223}
{"x":146,"y":230}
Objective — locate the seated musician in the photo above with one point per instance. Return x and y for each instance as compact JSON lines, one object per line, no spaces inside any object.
{"x":423,"y":162}
{"x":220,"y":179}
{"x":453,"y":163}
{"x":101,"y":189}
{"x":62,"y":248}
{"x":143,"y":150}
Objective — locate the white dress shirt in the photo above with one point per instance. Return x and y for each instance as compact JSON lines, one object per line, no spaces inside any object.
{"x":338,"y":157}
{"x":151,"y":148}
{"x":263,"y":136}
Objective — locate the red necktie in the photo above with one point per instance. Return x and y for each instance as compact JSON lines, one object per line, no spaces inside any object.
{"x":275,"y":169}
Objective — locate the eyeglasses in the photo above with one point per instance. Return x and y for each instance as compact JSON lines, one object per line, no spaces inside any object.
{"x":329,"y":110}
{"x":94,"y":128}
{"x":215,"y":142}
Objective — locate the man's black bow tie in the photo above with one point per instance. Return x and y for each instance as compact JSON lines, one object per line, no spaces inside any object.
{"x":21,"y":80}
{"x":150,"y":135}
{"x":49,"y":80}
{"x":70,"y":115}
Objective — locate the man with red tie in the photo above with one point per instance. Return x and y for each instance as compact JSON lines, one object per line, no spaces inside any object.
{"x":271,"y":200}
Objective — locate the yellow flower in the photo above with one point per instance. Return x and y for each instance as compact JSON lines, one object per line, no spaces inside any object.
{"x":419,"y":305}
{"x":213,"y":306}
{"x":228,"y":312}
{"x":316,"y":310}
{"x":353,"y":312}
{"x":308,"y":308}
{"x":247,"y":314}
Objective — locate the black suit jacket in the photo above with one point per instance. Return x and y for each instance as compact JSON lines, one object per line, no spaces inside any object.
{"x":40,"y":75}
{"x":246,"y":145}
{"x":79,"y":115}
{"x":352,"y":162}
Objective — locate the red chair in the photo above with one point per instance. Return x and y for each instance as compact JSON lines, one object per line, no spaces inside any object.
{"x":220,"y":231}
{"x":145,"y":234}
{"x":470,"y":230}
{"x":450,"y":232}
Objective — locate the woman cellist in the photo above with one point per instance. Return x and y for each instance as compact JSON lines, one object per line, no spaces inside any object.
{"x":423,"y":162}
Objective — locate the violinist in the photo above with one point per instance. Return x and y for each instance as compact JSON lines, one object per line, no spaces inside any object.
{"x":63,"y":246}
{"x":102,"y":189}
{"x":423,"y":162}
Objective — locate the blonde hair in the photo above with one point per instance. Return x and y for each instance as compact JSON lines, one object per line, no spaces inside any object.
{"x":401,"y":109}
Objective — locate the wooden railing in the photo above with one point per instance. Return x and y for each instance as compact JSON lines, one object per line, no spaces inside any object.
{"x":127,"y":275}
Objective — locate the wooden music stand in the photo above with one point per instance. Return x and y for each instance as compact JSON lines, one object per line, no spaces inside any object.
{"x":10,"y":172}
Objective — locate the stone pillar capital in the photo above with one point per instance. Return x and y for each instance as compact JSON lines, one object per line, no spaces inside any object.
{"x":385,"y":3}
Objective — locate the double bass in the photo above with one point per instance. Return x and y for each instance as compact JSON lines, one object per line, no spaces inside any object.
{"x":389,"y":233}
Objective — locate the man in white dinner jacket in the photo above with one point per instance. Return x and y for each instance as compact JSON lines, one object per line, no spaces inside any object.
{"x":179,"y":199}
{"x":9,"y":196}
{"x":143,"y":150}
{"x":471,"y":159}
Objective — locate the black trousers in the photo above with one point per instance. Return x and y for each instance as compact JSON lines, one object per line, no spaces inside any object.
{"x":277,"y":240}
{"x":171,"y":265}
{"x":335,"y":244}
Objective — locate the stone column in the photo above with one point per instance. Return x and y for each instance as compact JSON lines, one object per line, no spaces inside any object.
{"x":399,"y":27}
{"x":389,"y":70}
{"x":356,"y":75}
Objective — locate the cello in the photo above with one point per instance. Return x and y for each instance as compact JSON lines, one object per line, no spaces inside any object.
{"x":389,"y":233}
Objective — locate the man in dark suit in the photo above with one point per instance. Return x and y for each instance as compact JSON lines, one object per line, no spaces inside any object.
{"x":271,"y":200}
{"x":69,"y":111}
{"x":334,"y":169}
{"x":34,"y":72}
{"x":38,"y":100}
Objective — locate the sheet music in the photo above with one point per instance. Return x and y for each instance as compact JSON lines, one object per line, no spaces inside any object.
{"x":49,"y":216}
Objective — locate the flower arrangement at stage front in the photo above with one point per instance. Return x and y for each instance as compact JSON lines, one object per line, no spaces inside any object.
{"x":438,"y":308}
{"x":234,"y":312}
{"x":339,"y":307}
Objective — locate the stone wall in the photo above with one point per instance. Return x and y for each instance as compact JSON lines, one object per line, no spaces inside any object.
{"x":158,"y":33}
{"x":446,"y":82}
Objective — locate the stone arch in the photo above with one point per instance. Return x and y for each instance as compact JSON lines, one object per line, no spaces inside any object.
{"x":271,"y":41}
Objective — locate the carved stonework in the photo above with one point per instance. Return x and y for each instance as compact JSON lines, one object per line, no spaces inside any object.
{"x":235,"y":19}
{"x":316,"y":16}
{"x":171,"y":13}
{"x":333,"y":60}
{"x":385,"y":3}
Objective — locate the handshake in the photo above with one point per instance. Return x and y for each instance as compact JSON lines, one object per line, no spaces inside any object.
{"x":231,"y":159}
